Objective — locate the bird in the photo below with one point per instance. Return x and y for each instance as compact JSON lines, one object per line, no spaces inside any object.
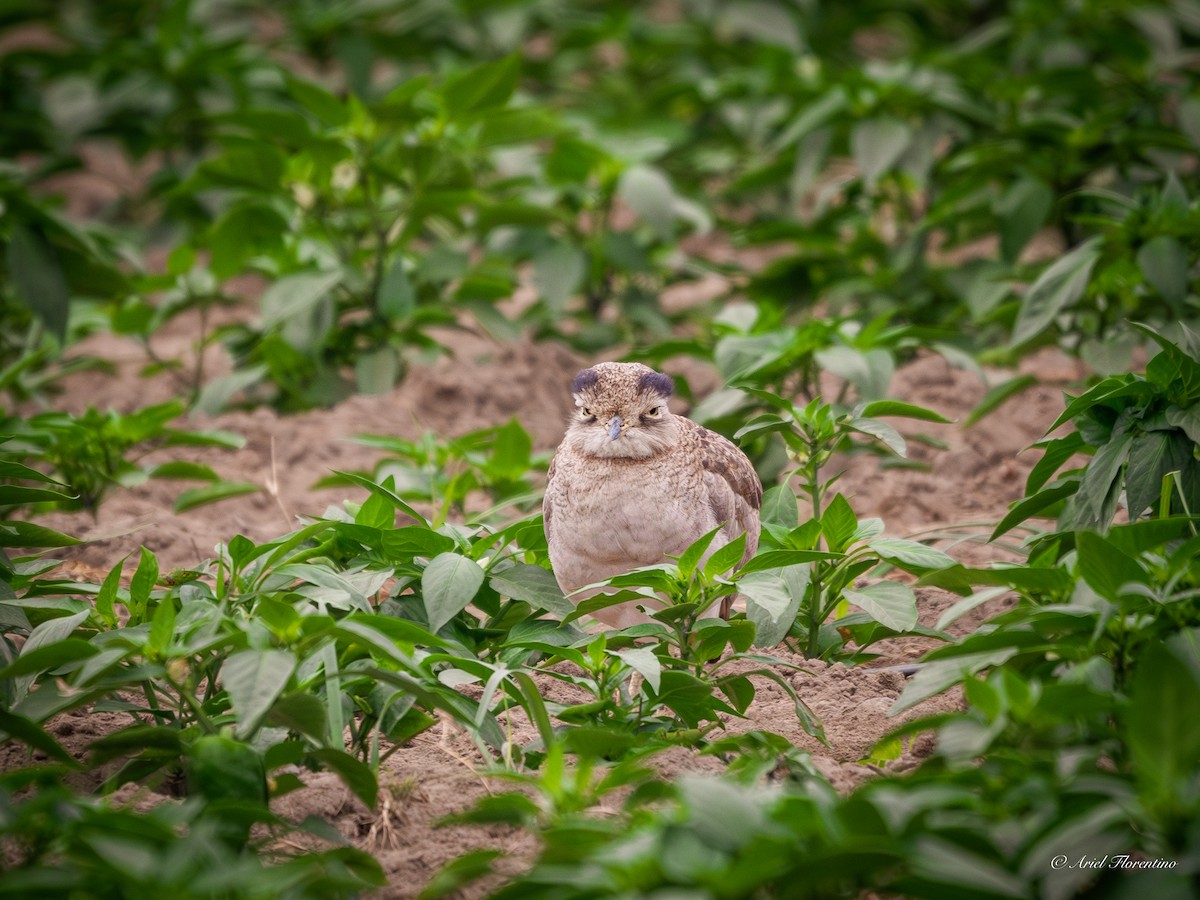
{"x":633,"y":484}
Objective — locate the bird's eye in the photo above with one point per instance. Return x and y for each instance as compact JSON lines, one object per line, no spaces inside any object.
{"x":585,"y":412}
{"x":655,"y":413}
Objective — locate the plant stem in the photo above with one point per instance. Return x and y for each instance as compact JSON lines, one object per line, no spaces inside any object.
{"x":814,"y":617}
{"x":192,"y":704}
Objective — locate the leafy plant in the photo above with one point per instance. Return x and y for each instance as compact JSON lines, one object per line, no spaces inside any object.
{"x":21,"y":486}
{"x":496,"y":461}
{"x":230,"y":675}
{"x":832,"y":550}
{"x":48,"y":265}
{"x":1136,"y":267}
{"x":692,"y":658}
{"x":815,"y":433}
{"x":1141,"y":433}
{"x":92,"y":453}
{"x":1107,"y":600}
{"x":62,"y":841}
{"x":887,"y":170}
{"x":1060,"y":784}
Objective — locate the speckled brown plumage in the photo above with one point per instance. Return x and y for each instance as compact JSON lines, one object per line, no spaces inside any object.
{"x":632,"y":484}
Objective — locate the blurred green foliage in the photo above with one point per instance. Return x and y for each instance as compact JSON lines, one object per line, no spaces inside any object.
{"x":326,"y":190}
{"x":398,"y":166}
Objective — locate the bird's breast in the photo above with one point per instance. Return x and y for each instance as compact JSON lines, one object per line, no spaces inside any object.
{"x":612,"y":517}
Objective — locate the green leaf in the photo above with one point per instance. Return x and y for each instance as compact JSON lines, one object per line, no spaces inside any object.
{"x":213,"y":493}
{"x":936,"y":676}
{"x":773,"y":599}
{"x":459,"y":872}
{"x":301,"y":712}
{"x":414,"y":540}
{"x":254,"y":679}
{"x":1106,"y":568}
{"x":218,"y":392}
{"x":838,"y":524}
{"x":448,"y":584}
{"x":29,"y":733}
{"x":996,"y":396}
{"x":162,"y":628}
{"x":16,"y":494}
{"x":882,"y":432}
{"x":779,"y":507}
{"x":1186,"y":420}
{"x":242,"y":550}
{"x":888,"y":603}
{"x":511,"y":449}
{"x":49,"y":634}
{"x":1023,"y":210}
{"x":812,"y":116}
{"x":690,"y":558}
{"x":1177,"y":369}
{"x":1060,"y":285}
{"x":1101,"y":483}
{"x":1164,"y":264}
{"x":533,"y":704}
{"x":776,"y":559}
{"x":1031,"y":506}
{"x":910,"y":555}
{"x":1116,"y":387}
{"x":1028,"y":579}
{"x":1152,"y":456}
{"x":357,"y":776}
{"x":961,"y":873}
{"x":107,"y":595}
{"x":648,"y":192}
{"x":533,"y":585}
{"x":251,"y":164}
{"x":221,"y":768}
{"x":522,"y":125}
{"x":644,"y":661}
{"x":1162,"y":723}
{"x":38,"y":279}
{"x":1055,"y":453}
{"x":1136,"y":538}
{"x":242,"y":232}
{"x":481,"y":88}
{"x":184,"y":470}
{"x":687,"y":696}
{"x":558,"y":272}
{"x":877,"y":145}
{"x":141,"y":585}
{"x":28,"y":535}
{"x":295,"y":295}
{"x":907,"y":410}
{"x":725,"y":558}
{"x":957,"y":610}
{"x":397,"y":299}
{"x":739,"y":690}
{"x":384,"y":492}
{"x":374,"y":514}
{"x":12,"y":469}
{"x":318,"y":101}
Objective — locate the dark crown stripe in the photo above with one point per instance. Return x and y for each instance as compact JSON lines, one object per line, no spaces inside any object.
{"x":657,"y":383}
{"x":584,"y":380}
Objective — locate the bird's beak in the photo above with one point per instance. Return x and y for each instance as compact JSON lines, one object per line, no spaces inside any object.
{"x":614,"y":427}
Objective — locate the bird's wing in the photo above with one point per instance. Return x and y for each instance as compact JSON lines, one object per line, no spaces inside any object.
{"x":734,"y":491}
{"x":547,"y":499}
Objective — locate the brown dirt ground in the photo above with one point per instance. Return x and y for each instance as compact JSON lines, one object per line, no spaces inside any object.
{"x":967,"y":485}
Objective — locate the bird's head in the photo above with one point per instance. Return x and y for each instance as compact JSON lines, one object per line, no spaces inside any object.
{"x":621,"y":411}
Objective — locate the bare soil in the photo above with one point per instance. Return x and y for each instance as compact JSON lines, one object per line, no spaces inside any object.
{"x":966,"y":487}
